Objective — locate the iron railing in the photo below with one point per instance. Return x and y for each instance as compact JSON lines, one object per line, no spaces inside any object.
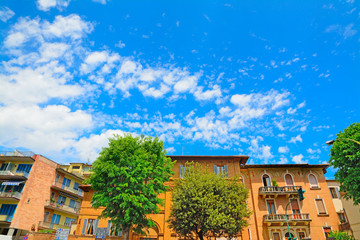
{"x":291,"y":217}
{"x":54,"y":225}
{"x":11,"y":195}
{"x":279,"y":190}
{"x":69,"y":189}
{"x":60,"y":206}
{"x":14,"y":173}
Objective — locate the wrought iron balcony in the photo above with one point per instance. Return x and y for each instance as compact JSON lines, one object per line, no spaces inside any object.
{"x":61,"y":207}
{"x":271,"y":190}
{"x":344,"y":226}
{"x":49,"y":225}
{"x":8,"y":174}
{"x":298,"y":218}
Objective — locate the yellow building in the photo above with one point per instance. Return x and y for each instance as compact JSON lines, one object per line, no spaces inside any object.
{"x":348,"y":213}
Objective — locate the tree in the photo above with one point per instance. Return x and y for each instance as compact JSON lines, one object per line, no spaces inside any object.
{"x":127,"y":178}
{"x":341,"y":236}
{"x":205,"y":204}
{"x":345,"y":157}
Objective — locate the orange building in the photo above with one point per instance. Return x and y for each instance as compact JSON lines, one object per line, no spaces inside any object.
{"x":271,"y":189}
{"x":35,"y":194}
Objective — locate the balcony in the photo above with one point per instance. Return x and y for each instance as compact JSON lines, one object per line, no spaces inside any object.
{"x":49,"y":225}
{"x":10,"y":195}
{"x":13,"y":175}
{"x":68,"y":190}
{"x":61,"y":207}
{"x":6,"y":218}
{"x":280,"y":219}
{"x":288,"y":191}
{"x":344,"y":226}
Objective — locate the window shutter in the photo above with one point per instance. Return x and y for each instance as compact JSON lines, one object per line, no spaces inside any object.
{"x":313,"y":182}
{"x":337,"y":192}
{"x":181,"y":171}
{"x":108,"y":229}
{"x":288,"y":180}
{"x":96,"y":224}
{"x":320,"y":206}
{"x":84,"y":227}
{"x":215,"y":169}
{"x":276,"y":236}
{"x":226,"y":168}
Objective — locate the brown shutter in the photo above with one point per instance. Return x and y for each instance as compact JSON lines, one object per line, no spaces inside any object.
{"x":276,"y":236}
{"x":289,"y":180}
{"x":313,"y":182}
{"x":320,"y":206}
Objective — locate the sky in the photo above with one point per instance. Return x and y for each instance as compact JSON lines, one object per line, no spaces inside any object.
{"x":273,"y":80}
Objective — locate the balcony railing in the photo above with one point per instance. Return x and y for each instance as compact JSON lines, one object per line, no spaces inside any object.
{"x":69,"y":189}
{"x":14,"y":173}
{"x":271,"y":190}
{"x":6,"y":218}
{"x":16,"y":195}
{"x":17,"y":153}
{"x":291,"y":217}
{"x":63,"y":207}
{"x":344,"y":226}
{"x":50,"y":225}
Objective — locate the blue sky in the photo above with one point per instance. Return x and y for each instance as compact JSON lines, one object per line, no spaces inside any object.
{"x":270,"y":79}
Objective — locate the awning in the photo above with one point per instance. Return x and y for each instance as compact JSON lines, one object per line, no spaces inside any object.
{"x":12,"y":183}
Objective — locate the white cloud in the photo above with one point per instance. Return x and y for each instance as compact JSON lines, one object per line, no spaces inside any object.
{"x":298,"y":159}
{"x":313,"y":151}
{"x":100,"y":1}
{"x":170,"y":150}
{"x":344,"y":31}
{"x":284,"y":149}
{"x":296,"y":139}
{"x":6,"y":13}
{"x":45,"y":5}
{"x":120,"y":44}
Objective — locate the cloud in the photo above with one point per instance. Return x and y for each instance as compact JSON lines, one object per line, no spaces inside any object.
{"x":120,"y":44}
{"x":296,"y":139}
{"x":45,"y":5}
{"x":6,"y":13}
{"x":298,"y":159}
{"x":100,"y":1}
{"x":284,"y":149}
{"x":344,"y":31}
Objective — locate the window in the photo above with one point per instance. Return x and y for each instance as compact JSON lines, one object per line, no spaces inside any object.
{"x":46,"y":216}
{"x":287,"y":235}
{"x":8,"y":209}
{"x":313,"y":181}
{"x":4,"y":166}
{"x":61,"y":200}
{"x":295,"y":209}
{"x":90,"y":226}
{"x":72,"y":203}
{"x":57,"y":178}
{"x":221,"y":169}
{"x":22,"y":168}
{"x":55,"y":219}
{"x":52,"y":196}
{"x":66,"y":182}
{"x":266,"y":180}
{"x":276,"y":236}
{"x":76,"y":186}
{"x":342,"y":217}
{"x":182,"y":171}
{"x":334,"y":192}
{"x":320,"y":206}
{"x":76,"y":167}
{"x":327,"y":231}
{"x":301,"y":235}
{"x":289,"y":180}
{"x":68,"y":221}
{"x":271,"y":206}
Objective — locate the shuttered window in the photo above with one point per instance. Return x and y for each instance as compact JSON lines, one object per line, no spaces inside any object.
{"x":320,"y":206}
{"x":24,"y":168}
{"x":334,"y":192}
{"x":276,"y":236}
{"x":288,"y":180}
{"x":90,"y":226}
{"x":313,"y":181}
{"x":266,"y":180}
{"x":221,"y":169}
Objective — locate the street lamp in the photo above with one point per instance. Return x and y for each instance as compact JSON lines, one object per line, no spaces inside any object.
{"x":329,"y":143}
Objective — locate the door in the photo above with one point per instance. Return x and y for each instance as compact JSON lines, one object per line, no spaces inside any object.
{"x":295,"y":209}
{"x":276,"y":236}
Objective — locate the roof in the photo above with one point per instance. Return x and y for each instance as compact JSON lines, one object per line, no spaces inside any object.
{"x":242,"y":158}
{"x":301,"y":165}
{"x":85,"y":187}
{"x":69,"y":173}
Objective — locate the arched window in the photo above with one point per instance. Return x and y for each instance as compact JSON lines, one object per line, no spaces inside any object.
{"x":266,"y":180}
{"x":313,"y":181}
{"x":287,"y":235}
{"x":289,"y":180}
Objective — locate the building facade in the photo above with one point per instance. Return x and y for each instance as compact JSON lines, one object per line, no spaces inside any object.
{"x":271,"y":188}
{"x":36,"y":194}
{"x":348,"y":214}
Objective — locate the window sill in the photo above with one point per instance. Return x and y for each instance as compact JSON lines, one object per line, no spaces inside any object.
{"x":323,"y":214}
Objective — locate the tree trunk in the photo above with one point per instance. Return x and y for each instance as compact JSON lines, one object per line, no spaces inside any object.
{"x":125,"y":233}
{"x":200,"y":234}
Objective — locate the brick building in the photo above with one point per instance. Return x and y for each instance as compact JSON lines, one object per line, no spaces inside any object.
{"x":36,"y":194}
{"x":271,"y":189}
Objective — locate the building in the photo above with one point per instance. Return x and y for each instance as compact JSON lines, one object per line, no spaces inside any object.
{"x":271,"y":189}
{"x":36,"y":194}
{"x":348,"y":213}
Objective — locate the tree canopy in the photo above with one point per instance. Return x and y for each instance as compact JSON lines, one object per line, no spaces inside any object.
{"x":345,"y":158}
{"x":206,"y":204}
{"x":341,"y":236}
{"x":127,"y":178}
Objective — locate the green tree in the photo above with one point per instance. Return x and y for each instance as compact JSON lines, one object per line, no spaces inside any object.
{"x":345,"y":158}
{"x":127,"y":178}
{"x":205,"y":204}
{"x":341,"y":236}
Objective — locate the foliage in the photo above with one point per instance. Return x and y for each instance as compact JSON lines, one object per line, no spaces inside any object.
{"x":341,"y":236}
{"x":274,"y":183}
{"x":205,"y":204}
{"x":127,"y":178}
{"x":345,"y":157}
